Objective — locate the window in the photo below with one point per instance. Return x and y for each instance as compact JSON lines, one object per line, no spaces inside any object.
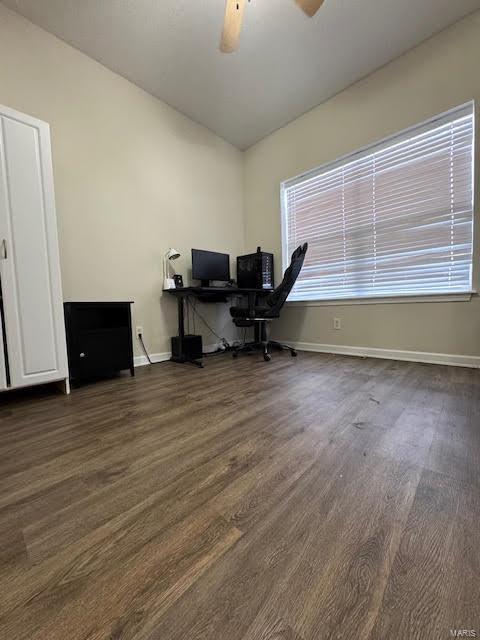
{"x":395,"y":219}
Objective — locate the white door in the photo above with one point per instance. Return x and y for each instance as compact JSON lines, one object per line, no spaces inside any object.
{"x":30,"y":268}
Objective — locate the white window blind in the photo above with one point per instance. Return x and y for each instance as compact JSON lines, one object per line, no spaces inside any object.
{"x":395,"y":219}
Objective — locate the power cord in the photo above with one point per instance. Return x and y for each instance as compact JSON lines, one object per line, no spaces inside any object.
{"x":222,"y":340}
{"x":191,"y":306}
{"x":140,"y":338}
{"x":190,"y":310}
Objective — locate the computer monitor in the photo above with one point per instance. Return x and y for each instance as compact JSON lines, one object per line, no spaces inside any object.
{"x":209,"y":265}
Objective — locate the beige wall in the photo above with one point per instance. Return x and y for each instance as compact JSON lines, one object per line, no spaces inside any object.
{"x":132,"y":177}
{"x":438,"y":75}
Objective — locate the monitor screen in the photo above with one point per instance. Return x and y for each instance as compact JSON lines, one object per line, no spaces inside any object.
{"x":209,"y":265}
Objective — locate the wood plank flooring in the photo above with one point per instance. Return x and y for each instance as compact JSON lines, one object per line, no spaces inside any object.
{"x":303,"y":499}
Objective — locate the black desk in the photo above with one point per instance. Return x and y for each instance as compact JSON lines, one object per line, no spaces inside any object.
{"x":208,"y":294}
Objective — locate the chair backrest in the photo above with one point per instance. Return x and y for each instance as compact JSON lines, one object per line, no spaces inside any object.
{"x":277,"y":298}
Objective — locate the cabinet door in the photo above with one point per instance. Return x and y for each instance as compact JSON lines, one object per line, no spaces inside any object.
{"x":30,"y":270}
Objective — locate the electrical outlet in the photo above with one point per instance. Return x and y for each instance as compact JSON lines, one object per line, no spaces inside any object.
{"x":139,"y":331}
{"x":337,"y":324}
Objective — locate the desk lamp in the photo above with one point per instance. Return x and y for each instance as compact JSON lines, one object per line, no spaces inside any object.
{"x":171,"y":254}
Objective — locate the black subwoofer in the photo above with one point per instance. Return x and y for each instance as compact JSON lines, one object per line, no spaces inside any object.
{"x":192,"y":348}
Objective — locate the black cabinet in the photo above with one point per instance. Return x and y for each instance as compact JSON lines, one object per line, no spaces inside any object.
{"x":99,"y":338}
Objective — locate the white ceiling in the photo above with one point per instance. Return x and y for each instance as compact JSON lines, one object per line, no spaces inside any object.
{"x":287,"y":63}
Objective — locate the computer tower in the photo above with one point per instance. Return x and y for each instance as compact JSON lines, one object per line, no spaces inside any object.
{"x":255,"y":270}
{"x":192,"y":348}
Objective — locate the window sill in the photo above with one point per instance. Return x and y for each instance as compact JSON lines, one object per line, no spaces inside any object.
{"x":445,"y":297}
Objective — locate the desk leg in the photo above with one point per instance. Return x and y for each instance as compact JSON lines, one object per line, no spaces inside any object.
{"x":181,"y":359}
{"x":181,"y":324}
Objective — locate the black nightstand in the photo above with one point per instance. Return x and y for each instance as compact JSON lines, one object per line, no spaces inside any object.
{"x":99,"y":338}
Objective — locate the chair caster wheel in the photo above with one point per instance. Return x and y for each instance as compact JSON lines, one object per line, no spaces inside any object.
{"x":267,"y":357}
{"x":294,"y":354}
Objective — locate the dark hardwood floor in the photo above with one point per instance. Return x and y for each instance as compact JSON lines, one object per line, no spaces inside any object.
{"x":302,"y":499}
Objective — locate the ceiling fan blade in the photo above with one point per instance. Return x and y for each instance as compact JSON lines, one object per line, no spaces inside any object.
{"x":310,"y":6}
{"x":232,"y":26}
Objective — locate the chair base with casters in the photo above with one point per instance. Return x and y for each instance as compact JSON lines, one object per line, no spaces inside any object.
{"x":262,"y":342}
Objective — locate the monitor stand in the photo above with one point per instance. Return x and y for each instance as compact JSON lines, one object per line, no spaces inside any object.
{"x":205,"y":283}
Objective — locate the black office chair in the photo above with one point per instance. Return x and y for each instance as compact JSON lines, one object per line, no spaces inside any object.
{"x":260,"y":316}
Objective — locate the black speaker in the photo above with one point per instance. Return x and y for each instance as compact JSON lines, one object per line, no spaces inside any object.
{"x":178,"y":279}
{"x":192,"y":347}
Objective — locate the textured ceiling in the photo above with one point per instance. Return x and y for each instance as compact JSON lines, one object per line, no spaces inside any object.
{"x":287,"y":63}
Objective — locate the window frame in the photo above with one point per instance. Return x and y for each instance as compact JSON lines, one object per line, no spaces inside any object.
{"x":366,"y":150}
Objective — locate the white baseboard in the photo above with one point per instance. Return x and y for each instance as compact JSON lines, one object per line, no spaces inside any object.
{"x":141,"y":361}
{"x":389,"y":354}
